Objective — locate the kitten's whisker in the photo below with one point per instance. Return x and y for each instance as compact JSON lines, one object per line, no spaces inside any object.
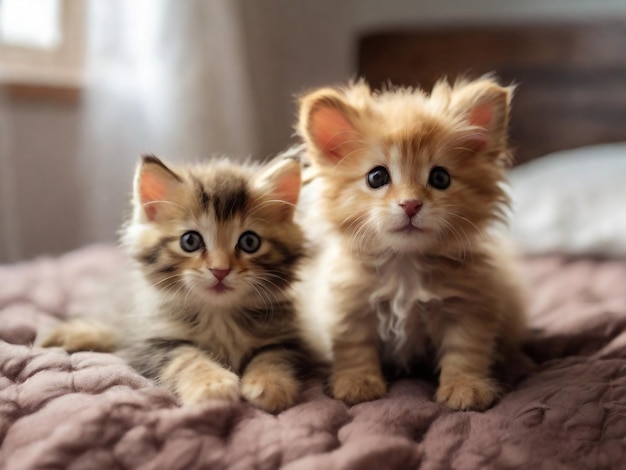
{"x":266,"y":295}
{"x":259,"y":295}
{"x":355,"y":225}
{"x":169,"y":286}
{"x":279,"y":277}
{"x":264,"y":279}
{"x":467,"y":237}
{"x":460,"y":241}
{"x":461,"y":237}
{"x":187,"y":294}
{"x":177,"y":275}
{"x":479,"y":231}
{"x":355,"y":222}
{"x":273,"y":285}
{"x":360,"y":235}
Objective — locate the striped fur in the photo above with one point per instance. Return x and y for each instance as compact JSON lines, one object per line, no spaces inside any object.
{"x":201,"y":336}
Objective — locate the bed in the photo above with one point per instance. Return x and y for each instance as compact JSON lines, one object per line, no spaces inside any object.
{"x":564,"y":404}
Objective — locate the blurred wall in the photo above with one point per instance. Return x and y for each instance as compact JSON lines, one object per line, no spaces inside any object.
{"x":187,"y":80}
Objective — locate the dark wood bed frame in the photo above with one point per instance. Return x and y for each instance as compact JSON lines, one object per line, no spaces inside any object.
{"x":571,"y":77}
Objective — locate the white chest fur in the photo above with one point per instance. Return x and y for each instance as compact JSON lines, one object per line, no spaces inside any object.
{"x":399,"y":301}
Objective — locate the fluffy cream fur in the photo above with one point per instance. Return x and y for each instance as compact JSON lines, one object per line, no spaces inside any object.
{"x":409,"y":269}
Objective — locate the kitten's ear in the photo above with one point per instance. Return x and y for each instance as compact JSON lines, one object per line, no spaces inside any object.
{"x":154,"y":182}
{"x":485,"y":105}
{"x":280,"y":180}
{"x":327,"y":123}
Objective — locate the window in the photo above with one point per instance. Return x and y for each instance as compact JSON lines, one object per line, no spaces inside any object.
{"x":42,"y":43}
{"x":30,"y":23}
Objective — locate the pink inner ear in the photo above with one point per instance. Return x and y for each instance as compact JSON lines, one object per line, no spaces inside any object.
{"x":151,"y":189}
{"x":288,"y":187}
{"x":480,"y":116}
{"x":333,"y":131}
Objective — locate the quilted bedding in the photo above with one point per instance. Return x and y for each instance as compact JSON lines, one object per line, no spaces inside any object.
{"x":565,"y":404}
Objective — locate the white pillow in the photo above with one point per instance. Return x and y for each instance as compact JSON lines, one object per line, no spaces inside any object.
{"x":572,"y":202}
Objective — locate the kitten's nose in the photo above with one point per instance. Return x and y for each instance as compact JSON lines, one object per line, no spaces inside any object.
{"x":220,"y":274}
{"x":411,"y":206}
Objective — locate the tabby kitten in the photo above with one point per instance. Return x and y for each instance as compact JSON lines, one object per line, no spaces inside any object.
{"x":409,"y":186}
{"x":216,"y":249}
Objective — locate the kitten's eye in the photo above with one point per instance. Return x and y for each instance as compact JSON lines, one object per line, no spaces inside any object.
{"x":378,"y":177}
{"x":439,"y":178}
{"x":191,"y":241}
{"x":249,"y":242}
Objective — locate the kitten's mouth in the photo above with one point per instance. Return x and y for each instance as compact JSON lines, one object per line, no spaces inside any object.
{"x":220,"y":288}
{"x":408,"y":229}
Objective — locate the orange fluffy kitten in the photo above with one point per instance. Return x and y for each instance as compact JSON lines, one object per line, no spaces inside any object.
{"x":215,"y":249}
{"x":410,"y":185}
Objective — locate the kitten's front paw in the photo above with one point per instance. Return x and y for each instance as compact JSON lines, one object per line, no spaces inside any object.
{"x":272,"y":393}
{"x":466,"y":393}
{"x":354,"y":387}
{"x":79,"y":335}
{"x":215,"y":386}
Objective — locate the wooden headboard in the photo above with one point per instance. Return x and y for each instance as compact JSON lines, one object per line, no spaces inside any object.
{"x":571,"y":77}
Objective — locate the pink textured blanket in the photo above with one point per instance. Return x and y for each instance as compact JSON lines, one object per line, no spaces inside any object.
{"x":565,"y":406}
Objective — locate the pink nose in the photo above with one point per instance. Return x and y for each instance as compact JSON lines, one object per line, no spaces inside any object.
{"x":220,"y":274}
{"x":411,"y":206}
